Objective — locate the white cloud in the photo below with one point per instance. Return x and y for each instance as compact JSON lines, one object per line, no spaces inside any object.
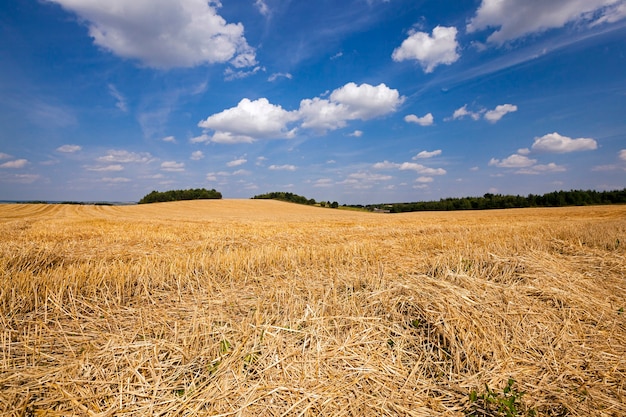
{"x":554,"y":142}
{"x":170,"y":139}
{"x":421,"y":169}
{"x":461,"y":112}
{"x":513,"y":161}
{"x":322,"y":115}
{"x":242,"y":172}
{"x":426,"y":154}
{"x":121,"y":100}
{"x":323,"y":182}
{"x":278,"y":75}
{"x":236,"y":162}
{"x":262,"y":7}
{"x":173,"y":166}
{"x":69,"y":148}
{"x":5,"y":155}
{"x":356,"y":133}
{"x":622,"y":154}
{"x":410,"y":166}
{"x":18,"y":163}
{"x":115,"y":180}
{"x":108,"y":168}
{"x":430,"y":51}
{"x":164,"y":33}
{"x":230,"y":74}
{"x":259,"y":119}
{"x":125,"y":157}
{"x":496,"y":114}
{"x":197,"y":155}
{"x":247,"y":122}
{"x":350,"y":102}
{"x":282,"y":167}
{"x":516,"y":19}
{"x":426,"y":120}
{"x":200,"y":139}
{"x":367,"y":176}
{"x":424,"y":180}
{"x":612,"y":14}
{"x":386,"y":165}
{"x":20,"y":178}
{"x":542,"y":169}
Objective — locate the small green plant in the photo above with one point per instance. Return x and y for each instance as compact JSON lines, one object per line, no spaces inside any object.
{"x":225,"y":346}
{"x":493,"y":404}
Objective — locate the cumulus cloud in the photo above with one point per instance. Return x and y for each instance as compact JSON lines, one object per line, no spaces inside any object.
{"x":554,"y":142}
{"x":170,"y":139}
{"x":18,"y":163}
{"x":282,"y":167}
{"x":173,"y":166}
{"x":125,"y":157}
{"x":496,"y":114}
{"x":69,"y":148}
{"x":350,"y":102}
{"x":164,"y":33}
{"x":426,"y":154}
{"x":236,"y":162}
{"x":426,"y":120}
{"x":516,"y":19}
{"x":247,"y":122}
{"x":197,"y":155}
{"x":356,"y":133}
{"x":424,"y":180}
{"x":260,"y":119}
{"x":513,"y":161}
{"x":4,"y":155}
{"x":429,"y":51}
{"x":622,"y":154}
{"x":410,"y":166}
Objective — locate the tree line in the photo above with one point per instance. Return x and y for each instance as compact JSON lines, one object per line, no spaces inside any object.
{"x":295,"y":198}
{"x":179,"y":195}
{"x":499,"y":201}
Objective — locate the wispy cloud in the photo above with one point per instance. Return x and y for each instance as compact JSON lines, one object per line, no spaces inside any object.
{"x":69,"y":148}
{"x":16,"y":164}
{"x":121,"y":100}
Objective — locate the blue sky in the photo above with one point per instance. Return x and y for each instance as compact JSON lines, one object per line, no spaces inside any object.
{"x":355,"y":101}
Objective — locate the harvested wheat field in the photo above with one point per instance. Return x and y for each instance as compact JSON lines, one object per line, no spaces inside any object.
{"x":263,"y":308}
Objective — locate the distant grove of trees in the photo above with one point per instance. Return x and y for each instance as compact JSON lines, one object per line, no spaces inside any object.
{"x":179,"y":195}
{"x":285,"y":196}
{"x":499,"y":201}
{"x":294,"y":198}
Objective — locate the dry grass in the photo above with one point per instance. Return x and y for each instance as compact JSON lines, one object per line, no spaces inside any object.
{"x":261,"y":308}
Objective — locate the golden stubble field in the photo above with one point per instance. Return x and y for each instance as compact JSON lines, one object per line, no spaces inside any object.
{"x":263,"y":308}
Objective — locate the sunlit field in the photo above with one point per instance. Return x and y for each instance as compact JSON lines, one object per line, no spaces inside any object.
{"x":264,"y":308}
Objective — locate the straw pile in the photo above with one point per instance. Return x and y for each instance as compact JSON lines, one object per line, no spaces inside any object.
{"x":261,"y":308}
